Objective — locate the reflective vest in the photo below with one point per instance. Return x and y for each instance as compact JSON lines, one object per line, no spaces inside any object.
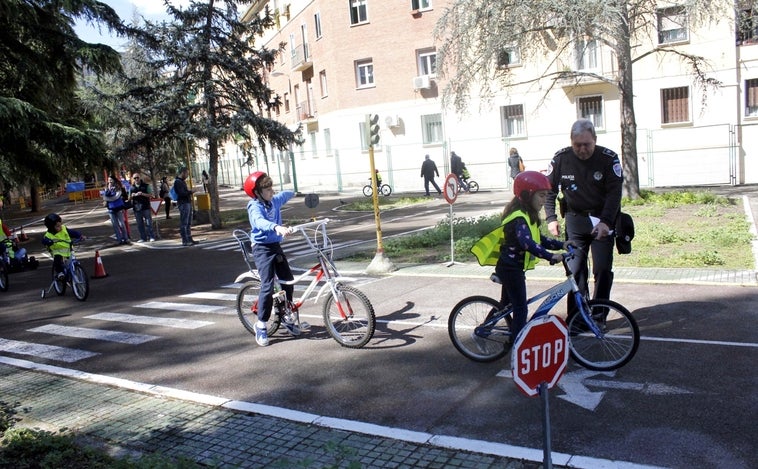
{"x":61,"y":240}
{"x":487,"y":249}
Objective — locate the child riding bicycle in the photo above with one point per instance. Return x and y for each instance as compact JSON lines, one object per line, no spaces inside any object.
{"x":267,"y":231}
{"x":57,"y":239}
{"x":518,"y":245}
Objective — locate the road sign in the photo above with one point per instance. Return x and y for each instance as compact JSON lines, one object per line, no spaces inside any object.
{"x":155,"y":205}
{"x":540,"y":354}
{"x":451,"y":188}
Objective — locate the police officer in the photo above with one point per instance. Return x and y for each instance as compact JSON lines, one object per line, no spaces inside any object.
{"x":590,"y":180}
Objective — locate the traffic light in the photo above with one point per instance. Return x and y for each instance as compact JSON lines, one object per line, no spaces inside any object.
{"x":372,"y":122}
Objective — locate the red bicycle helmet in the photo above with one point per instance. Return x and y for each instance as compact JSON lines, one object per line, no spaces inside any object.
{"x":530,"y":181}
{"x":251,"y":181}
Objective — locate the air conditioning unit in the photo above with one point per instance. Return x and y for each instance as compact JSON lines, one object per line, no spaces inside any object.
{"x":422,"y":83}
{"x":392,"y":121}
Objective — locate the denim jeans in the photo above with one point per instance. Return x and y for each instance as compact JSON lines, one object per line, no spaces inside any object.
{"x":144,"y":220}
{"x":119,"y":227}
{"x":185,"y":220}
{"x":271,"y":264}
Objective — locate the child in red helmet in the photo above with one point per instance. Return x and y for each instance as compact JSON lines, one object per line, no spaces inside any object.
{"x":523,"y":243}
{"x":267,"y":231}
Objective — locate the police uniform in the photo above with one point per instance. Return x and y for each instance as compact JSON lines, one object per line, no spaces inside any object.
{"x":590,"y":187}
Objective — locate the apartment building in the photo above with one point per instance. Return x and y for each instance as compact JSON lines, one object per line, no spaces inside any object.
{"x":346,"y":59}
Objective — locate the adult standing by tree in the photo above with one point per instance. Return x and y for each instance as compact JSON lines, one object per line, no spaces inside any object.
{"x":164,"y":193}
{"x":428,"y":171}
{"x":515,"y":163}
{"x":114,"y":202}
{"x":139,"y":194}
{"x":590,"y":178}
{"x":184,"y":202}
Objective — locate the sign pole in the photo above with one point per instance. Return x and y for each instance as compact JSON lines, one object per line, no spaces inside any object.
{"x":450,"y":192}
{"x":547,"y":461}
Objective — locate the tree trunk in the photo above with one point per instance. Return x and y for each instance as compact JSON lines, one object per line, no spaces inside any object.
{"x":631,"y":187}
{"x":215,"y":214}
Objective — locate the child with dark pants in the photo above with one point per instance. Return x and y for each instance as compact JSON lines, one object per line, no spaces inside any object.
{"x":523,"y":243}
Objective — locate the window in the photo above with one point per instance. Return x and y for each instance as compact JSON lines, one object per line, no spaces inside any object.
{"x":421,"y":4}
{"x":328,"y":142}
{"x":317,"y":22}
{"x":672,"y":25}
{"x":286,"y":102}
{"x":431,"y":127}
{"x":314,"y":146}
{"x":675,"y":104}
{"x":508,"y":57}
{"x":585,"y":54}
{"x":427,"y":63}
{"x":747,"y":27}
{"x":591,"y":107}
{"x":751,"y":98}
{"x":364,"y":73}
{"x":322,"y":80}
{"x":512,"y":120}
{"x":364,"y":136}
{"x":358,"y":12}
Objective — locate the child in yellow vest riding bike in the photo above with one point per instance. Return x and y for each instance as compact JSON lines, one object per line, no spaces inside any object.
{"x":520,"y":243}
{"x":57,"y":239}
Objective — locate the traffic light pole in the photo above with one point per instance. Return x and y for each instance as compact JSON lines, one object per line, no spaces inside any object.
{"x":380,"y":263}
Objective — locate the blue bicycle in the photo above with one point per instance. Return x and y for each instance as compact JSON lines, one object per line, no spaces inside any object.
{"x":602,"y":334}
{"x":74,"y":276}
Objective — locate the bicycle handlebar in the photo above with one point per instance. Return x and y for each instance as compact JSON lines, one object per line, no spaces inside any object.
{"x":309,"y":224}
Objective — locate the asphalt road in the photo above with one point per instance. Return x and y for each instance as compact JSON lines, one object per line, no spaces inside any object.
{"x":686,"y":400}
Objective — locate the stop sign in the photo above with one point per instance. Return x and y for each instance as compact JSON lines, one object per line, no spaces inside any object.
{"x":540,"y":354}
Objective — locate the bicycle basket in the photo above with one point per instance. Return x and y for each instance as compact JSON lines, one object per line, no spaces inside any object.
{"x":246,"y":246}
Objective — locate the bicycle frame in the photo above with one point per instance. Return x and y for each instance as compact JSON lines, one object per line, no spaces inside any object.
{"x":325,"y":270}
{"x":552,"y":296}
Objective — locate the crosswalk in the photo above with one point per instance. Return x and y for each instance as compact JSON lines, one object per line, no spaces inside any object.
{"x":150,"y":321}
{"x":293,"y":248}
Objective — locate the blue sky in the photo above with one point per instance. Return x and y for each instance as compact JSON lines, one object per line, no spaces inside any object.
{"x":126,"y":9}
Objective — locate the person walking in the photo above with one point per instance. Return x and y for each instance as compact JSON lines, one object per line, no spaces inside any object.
{"x":184,"y":202}
{"x":456,"y":167}
{"x":139,"y":194}
{"x":266,"y":233}
{"x":164,"y":193}
{"x":114,"y":202}
{"x":590,"y":179}
{"x":515,"y":163}
{"x":206,"y":181}
{"x":428,"y":171}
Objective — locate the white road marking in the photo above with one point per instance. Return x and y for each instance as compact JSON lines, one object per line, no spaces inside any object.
{"x":149,"y":320}
{"x":50,"y":352}
{"x":179,"y":307}
{"x":97,"y":334}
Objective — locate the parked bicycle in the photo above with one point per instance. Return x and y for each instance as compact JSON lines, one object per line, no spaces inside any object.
{"x":74,"y":276}
{"x":602,"y":334}
{"x":348,"y":315}
{"x":384,"y":189}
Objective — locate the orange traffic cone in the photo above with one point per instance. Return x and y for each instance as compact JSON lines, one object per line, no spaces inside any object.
{"x":23,"y":236}
{"x":99,"y":268}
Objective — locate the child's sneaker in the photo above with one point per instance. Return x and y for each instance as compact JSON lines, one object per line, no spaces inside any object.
{"x":261,"y":335}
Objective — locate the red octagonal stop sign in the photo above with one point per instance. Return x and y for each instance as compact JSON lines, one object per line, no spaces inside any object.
{"x":540,"y":354}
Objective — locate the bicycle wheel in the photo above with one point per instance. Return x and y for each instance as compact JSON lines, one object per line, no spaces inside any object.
{"x":79,"y":282}
{"x":349,"y":317}
{"x":486,"y":345}
{"x":59,"y":284}
{"x":617,"y":343}
{"x":368,"y":191}
{"x":385,"y":190}
{"x":247,"y":308}
{"x":3,"y":277}
{"x":473,"y":187}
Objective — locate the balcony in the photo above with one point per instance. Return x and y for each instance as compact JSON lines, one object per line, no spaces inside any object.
{"x":569,"y":77}
{"x":301,"y":58}
{"x":306,"y":111}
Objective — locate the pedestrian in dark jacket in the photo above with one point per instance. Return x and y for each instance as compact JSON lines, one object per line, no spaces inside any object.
{"x":184,"y":202}
{"x":428,"y":171}
{"x":515,"y":163}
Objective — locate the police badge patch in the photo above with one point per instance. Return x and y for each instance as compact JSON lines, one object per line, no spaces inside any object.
{"x":617,"y":169}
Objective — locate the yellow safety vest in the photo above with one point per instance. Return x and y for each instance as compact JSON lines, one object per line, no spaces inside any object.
{"x":60,"y":246}
{"x":487,"y":249}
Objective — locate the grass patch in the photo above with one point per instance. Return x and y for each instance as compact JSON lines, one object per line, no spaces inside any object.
{"x":673,"y":229}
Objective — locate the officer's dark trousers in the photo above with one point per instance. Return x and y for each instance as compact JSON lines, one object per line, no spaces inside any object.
{"x":578,"y":229}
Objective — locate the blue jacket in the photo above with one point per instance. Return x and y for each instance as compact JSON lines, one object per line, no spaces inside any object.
{"x":264,"y":216}
{"x":115,"y":200}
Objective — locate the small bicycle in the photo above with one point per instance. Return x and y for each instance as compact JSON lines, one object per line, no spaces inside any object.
{"x":384,"y":189}
{"x":74,"y":276}
{"x":348,"y":315}
{"x":467,"y":185}
{"x":602,"y":334}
